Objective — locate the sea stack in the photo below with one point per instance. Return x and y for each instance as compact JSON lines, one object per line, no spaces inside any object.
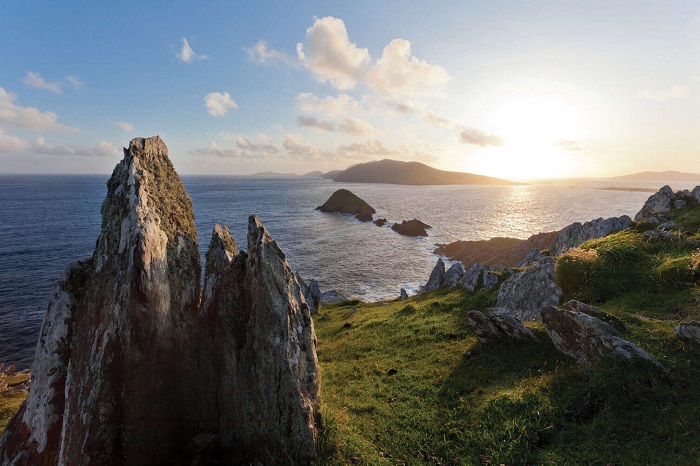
{"x":345,"y":202}
{"x":123,"y":372}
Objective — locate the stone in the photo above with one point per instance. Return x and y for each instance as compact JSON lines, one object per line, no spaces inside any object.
{"x":437,"y":277}
{"x":411,"y":228}
{"x":695,"y":194}
{"x":403,"y":295}
{"x":380,"y":222}
{"x":526,"y":292}
{"x":660,"y":234}
{"x":311,"y":298}
{"x":497,"y":325}
{"x":489,"y":279}
{"x":689,"y":331}
{"x":345,"y":202}
{"x":587,"y":339}
{"x":668,"y":226}
{"x":453,"y":275}
{"x":657,"y":203}
{"x":132,"y":367}
{"x":470,"y":279}
{"x":532,"y":257}
{"x":331,"y":297}
{"x":679,"y":204}
{"x":578,"y":233}
{"x":606,"y":317}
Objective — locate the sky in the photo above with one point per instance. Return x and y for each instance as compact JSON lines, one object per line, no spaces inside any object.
{"x":512,"y":89}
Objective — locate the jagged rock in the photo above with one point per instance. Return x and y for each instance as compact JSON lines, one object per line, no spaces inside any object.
{"x":689,"y":331}
{"x":311,"y":293}
{"x":657,"y":203}
{"x":437,"y":277}
{"x":411,"y":228}
{"x":453,"y":275}
{"x":380,"y":222}
{"x":498,"y":325}
{"x":331,"y":297}
{"x":345,"y":202}
{"x":606,"y":317}
{"x":679,"y":204}
{"x":657,"y":234}
{"x":489,"y":279}
{"x":695,"y":194}
{"x":404,"y":295}
{"x":124,"y":370}
{"x":532,"y":257}
{"x":586,"y":338}
{"x":526,"y":292}
{"x":470,"y":279}
{"x":668,"y":226}
{"x":577,"y":233}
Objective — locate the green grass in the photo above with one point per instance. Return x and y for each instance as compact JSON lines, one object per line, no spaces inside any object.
{"x":10,"y":401}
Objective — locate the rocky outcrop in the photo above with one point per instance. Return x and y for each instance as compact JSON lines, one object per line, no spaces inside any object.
{"x":131,"y":369}
{"x":411,"y":228}
{"x":311,"y":292}
{"x":664,"y":201}
{"x":606,"y":317}
{"x":380,"y":222}
{"x":345,"y":202}
{"x":525,"y":293}
{"x":497,"y":325}
{"x":437,"y":277}
{"x":689,"y":331}
{"x":403,"y":295}
{"x":453,"y":275}
{"x":470,"y":279}
{"x":578,"y":233}
{"x":587,"y":339}
{"x":489,"y":279}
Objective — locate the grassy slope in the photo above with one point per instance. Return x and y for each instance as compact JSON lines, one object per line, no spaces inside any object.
{"x":454,"y":401}
{"x":10,"y":401}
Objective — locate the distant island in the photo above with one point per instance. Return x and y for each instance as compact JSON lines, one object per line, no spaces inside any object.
{"x":272,"y":175}
{"x":669,"y":175}
{"x":408,"y":173}
{"x":314,"y":173}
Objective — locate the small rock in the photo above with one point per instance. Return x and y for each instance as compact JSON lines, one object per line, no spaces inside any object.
{"x":490,"y":279}
{"x":667,"y":226}
{"x":498,"y":325}
{"x":380,"y":222}
{"x":391,"y":371}
{"x":679,"y":204}
{"x":453,"y":275}
{"x":526,"y":292}
{"x":470,"y":279}
{"x":411,"y":228}
{"x":347,"y":325}
{"x":608,"y":318}
{"x":404,"y":295}
{"x":350,"y":313}
{"x":689,"y":331}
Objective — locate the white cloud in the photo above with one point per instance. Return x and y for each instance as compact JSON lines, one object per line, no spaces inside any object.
{"x":188,"y":55}
{"x":330,"y":55}
{"x":101,"y":149}
{"x":218,"y":104}
{"x":27,"y":117}
{"x":127,"y":127}
{"x":35,"y":81}
{"x":674,"y":92}
{"x":357,"y":127}
{"x":569,"y":145}
{"x":438,"y":120}
{"x":262,"y":54}
{"x":296,"y":146}
{"x":10,"y":143}
{"x":479,"y":138}
{"x":241,"y":148}
{"x":330,"y":106}
{"x":75,"y":81}
{"x":371,"y":149}
{"x":398,"y":73}
{"x":313,"y":122}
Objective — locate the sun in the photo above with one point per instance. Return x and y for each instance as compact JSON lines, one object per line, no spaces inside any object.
{"x":541,"y":137}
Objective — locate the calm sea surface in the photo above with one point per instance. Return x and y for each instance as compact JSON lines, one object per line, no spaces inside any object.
{"x":48,"y":221}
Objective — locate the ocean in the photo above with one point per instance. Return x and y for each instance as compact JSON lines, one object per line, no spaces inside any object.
{"x":48,"y":221}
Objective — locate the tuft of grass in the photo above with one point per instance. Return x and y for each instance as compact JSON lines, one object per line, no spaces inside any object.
{"x":11,"y":400}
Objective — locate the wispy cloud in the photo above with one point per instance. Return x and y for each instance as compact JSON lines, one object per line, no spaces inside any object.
{"x":218,"y":104}
{"x":357,"y":127}
{"x":479,"y":138}
{"x":569,"y":145}
{"x":127,"y":127}
{"x":101,"y":149}
{"x":17,"y":116}
{"x":35,"y":81}
{"x":241,"y":148}
{"x":317,"y":123}
{"x":11,"y":144}
{"x":263,"y":54}
{"x":75,"y":81}
{"x":187,"y":55}
{"x":674,"y":92}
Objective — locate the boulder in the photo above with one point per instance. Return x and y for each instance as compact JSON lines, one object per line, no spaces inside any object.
{"x":437,"y":277}
{"x":532,"y":257}
{"x":345,"y":202}
{"x":470,"y":279}
{"x":695,"y":194}
{"x":453,"y":275}
{"x":131,"y":368}
{"x":403,"y":295}
{"x":497,"y":325}
{"x":587,"y":339}
{"x":526,"y":292}
{"x":411,"y":228}
{"x":664,"y":201}
{"x":689,"y":331}
{"x":380,"y":222}
{"x":606,"y":317}
{"x":489,"y":279}
{"x":578,"y":233}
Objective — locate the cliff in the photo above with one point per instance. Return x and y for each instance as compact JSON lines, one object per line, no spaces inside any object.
{"x":126,"y":370}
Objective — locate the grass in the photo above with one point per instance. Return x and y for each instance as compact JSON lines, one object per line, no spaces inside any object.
{"x":10,"y":401}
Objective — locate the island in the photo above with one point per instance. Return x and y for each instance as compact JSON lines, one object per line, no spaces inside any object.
{"x":345,"y":202}
{"x":411,"y":228}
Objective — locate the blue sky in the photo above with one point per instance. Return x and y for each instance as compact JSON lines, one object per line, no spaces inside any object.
{"x":511,"y":89}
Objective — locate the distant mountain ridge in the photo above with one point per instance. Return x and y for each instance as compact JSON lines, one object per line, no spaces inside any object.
{"x":409,"y":173}
{"x":669,"y":175}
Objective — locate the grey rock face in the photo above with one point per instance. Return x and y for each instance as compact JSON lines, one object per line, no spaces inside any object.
{"x":497,"y":325}
{"x":453,"y":275}
{"x":577,"y":233}
{"x":689,"y":331}
{"x":606,"y":317}
{"x":531,"y":258}
{"x":526,"y":292}
{"x":311,"y":293}
{"x":666,"y":200}
{"x":588,"y":339}
{"x":131,"y":370}
{"x":404,"y":295}
{"x":470,"y":279}
{"x":437,"y":277}
{"x":489,"y":279}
